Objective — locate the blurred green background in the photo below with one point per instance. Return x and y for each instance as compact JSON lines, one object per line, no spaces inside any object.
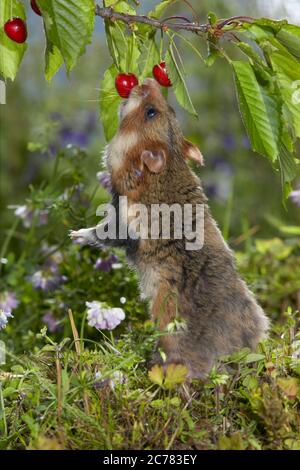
{"x":243,"y":189}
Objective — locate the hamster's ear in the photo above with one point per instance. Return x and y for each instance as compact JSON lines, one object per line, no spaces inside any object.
{"x":155,"y":161}
{"x":192,"y":152}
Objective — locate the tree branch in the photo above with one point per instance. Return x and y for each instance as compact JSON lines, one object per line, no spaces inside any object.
{"x":110,"y":14}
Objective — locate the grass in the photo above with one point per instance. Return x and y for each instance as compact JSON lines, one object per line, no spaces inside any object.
{"x":100,"y":396}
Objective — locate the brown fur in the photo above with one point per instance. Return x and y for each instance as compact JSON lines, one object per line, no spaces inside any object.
{"x":201,"y":286}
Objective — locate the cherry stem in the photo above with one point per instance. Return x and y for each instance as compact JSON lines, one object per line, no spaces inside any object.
{"x":176,"y":17}
{"x":235,"y":19}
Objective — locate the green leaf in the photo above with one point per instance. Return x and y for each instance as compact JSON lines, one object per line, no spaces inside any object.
{"x":178,"y":83}
{"x":109,"y":103}
{"x":54,"y":60}
{"x":11,"y":53}
{"x":133,"y":55}
{"x":290,"y":229}
{"x":262,"y":71}
{"x":156,"y":374}
{"x":175,"y":375}
{"x":289,"y":36}
{"x":260,"y":111}
{"x":160,"y":8}
{"x":251,"y":53}
{"x":149,"y":57}
{"x":270,"y":25}
{"x":287,"y":164}
{"x":124,"y":48}
{"x":253,"y":357}
{"x":275,"y":246}
{"x":110,"y":3}
{"x":288,"y":77}
{"x":212,"y":18}
{"x":289,"y":385}
{"x":69,"y":25}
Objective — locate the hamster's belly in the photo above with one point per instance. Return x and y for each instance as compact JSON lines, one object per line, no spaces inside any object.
{"x":149,"y":281}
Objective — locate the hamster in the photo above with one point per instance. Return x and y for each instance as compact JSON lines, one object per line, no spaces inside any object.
{"x":148,"y":163}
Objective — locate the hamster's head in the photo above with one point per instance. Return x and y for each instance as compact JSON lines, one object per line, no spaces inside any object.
{"x":149,"y":134}
{"x":147,"y":112}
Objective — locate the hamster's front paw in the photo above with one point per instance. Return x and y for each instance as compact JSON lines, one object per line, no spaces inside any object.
{"x":86,"y":236}
{"x":82,"y":236}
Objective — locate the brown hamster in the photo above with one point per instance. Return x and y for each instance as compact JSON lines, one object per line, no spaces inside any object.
{"x":147,"y":160}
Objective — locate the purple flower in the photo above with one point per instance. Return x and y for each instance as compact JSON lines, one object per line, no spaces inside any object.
{"x":295,"y":197}
{"x":228,"y":142}
{"x":25,"y":214}
{"x":42,"y":216}
{"x":56,"y":116}
{"x":246,"y":143}
{"x":222,"y":165}
{"x":91,"y":123}
{"x":53,"y":255}
{"x":104,"y":179}
{"x":106,"y":264}
{"x":117,"y":378}
{"x":4,"y":316}
{"x":69,"y":136}
{"x":211,"y":190}
{"x":47,"y":280}
{"x":51,"y":322}
{"x":103,"y":318}
{"x":8,"y":301}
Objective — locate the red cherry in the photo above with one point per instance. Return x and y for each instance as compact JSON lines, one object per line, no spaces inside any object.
{"x":160,"y":74}
{"x":124,"y":83}
{"x":35,"y":7}
{"x":16,"y":30}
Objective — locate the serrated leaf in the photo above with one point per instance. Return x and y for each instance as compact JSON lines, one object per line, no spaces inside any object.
{"x":11,"y":53}
{"x":109,"y":103}
{"x":178,"y":83}
{"x":287,"y":163}
{"x":69,"y":25}
{"x":251,"y":53}
{"x":234,"y":442}
{"x":134,"y":53}
{"x":124,"y":48}
{"x":149,"y":57}
{"x":288,"y":77}
{"x":156,"y":374}
{"x":260,"y":111}
{"x":54,"y":60}
{"x":175,"y":375}
{"x":262,"y":71}
{"x":289,"y":36}
{"x":271,"y":25}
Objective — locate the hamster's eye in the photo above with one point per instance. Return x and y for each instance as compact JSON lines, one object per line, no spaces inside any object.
{"x":151,"y":112}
